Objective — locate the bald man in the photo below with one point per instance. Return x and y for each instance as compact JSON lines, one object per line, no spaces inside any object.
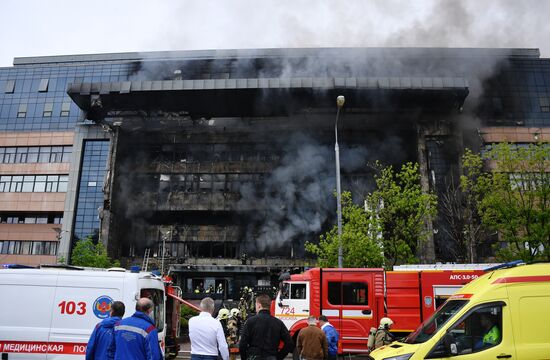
{"x":136,"y":337}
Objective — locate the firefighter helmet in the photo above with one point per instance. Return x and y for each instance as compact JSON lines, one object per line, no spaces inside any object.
{"x":223,"y":314}
{"x":385,"y":322}
{"x":235,"y":312}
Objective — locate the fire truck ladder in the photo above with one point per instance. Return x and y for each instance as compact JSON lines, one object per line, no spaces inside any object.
{"x":145,"y":259}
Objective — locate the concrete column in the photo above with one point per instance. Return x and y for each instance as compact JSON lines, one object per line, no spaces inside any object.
{"x":425,"y":249}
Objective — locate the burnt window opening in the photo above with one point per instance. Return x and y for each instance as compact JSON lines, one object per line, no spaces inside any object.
{"x":214,"y":249}
{"x":498,"y":108}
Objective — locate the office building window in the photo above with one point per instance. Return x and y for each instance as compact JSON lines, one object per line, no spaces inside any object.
{"x":10,"y":87}
{"x":43,"y":86}
{"x":48,"y":110}
{"x":65,"y":109}
{"x":544,"y":104}
{"x":90,"y":198}
{"x":28,"y":247}
{"x":33,"y":154}
{"x":33,"y":183}
{"x":22,"y":112}
{"x":31,"y":218}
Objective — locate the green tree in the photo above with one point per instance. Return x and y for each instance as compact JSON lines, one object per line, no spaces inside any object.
{"x":186,"y":312}
{"x":86,"y":253}
{"x":402,"y":209}
{"x":360,"y":246}
{"x":516,"y":200}
{"x":473,"y":187}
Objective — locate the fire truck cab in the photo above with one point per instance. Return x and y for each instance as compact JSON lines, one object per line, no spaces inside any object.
{"x":354,"y":300}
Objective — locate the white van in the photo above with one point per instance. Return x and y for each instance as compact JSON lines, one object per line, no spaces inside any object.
{"x":50,"y":313}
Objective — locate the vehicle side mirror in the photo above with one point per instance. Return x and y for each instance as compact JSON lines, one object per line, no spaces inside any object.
{"x":446,"y":347}
{"x":450,"y":345}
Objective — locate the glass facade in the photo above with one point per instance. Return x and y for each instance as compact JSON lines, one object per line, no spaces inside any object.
{"x":519,"y":95}
{"x":90,"y":188}
{"x":34,"y":97}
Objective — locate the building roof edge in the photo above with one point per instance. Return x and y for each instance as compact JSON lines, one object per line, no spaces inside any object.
{"x":280,"y":52}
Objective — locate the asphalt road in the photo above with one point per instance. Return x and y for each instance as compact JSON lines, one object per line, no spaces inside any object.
{"x":185,"y":354}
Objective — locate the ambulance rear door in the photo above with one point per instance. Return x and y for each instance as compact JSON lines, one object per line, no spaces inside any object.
{"x":26,"y":301}
{"x":82,"y":299}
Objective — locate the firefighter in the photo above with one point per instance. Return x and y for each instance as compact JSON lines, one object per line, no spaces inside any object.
{"x":233,"y":330}
{"x":236,"y":315}
{"x":243,"y":308}
{"x":223,"y":314}
{"x":383,"y":335}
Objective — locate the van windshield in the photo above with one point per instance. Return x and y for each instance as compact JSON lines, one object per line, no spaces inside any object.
{"x":430,"y":327}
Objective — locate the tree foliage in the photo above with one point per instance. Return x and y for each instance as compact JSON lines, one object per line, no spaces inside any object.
{"x":360,"y":246}
{"x":472,"y":230}
{"x":387,"y":231}
{"x":86,"y":253}
{"x":402,"y":211}
{"x":516,"y":200}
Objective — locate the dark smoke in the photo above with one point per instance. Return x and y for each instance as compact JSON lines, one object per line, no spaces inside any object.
{"x":297,"y":197}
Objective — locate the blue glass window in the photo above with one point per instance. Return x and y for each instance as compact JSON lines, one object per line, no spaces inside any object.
{"x":90,"y":188}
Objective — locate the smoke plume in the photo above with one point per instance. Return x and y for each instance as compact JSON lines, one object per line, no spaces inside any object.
{"x":297,"y":197}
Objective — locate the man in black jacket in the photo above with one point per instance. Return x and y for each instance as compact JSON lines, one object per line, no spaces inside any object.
{"x":262,"y":334}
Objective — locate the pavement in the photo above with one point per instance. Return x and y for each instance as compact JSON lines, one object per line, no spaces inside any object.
{"x":185,"y":354}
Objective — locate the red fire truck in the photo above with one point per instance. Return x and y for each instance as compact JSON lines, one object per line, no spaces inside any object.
{"x":354,"y":300}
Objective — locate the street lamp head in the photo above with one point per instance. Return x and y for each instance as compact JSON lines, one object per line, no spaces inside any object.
{"x":340,"y":100}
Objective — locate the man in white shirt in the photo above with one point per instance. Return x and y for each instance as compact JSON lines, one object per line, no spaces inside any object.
{"x":206,"y":334}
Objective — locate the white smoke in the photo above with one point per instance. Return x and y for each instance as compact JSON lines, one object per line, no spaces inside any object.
{"x":297,"y":197}
{"x":219,"y":24}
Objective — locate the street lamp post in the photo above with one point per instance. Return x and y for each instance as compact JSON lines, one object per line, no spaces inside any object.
{"x":168,"y":233}
{"x":339,"y":103}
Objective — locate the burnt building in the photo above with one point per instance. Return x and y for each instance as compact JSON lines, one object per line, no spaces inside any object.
{"x":223,"y":161}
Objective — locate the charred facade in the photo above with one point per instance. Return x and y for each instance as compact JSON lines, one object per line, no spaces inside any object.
{"x":224,"y":160}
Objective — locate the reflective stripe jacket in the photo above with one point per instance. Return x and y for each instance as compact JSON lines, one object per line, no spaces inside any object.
{"x":492,"y":337}
{"x":136,"y":338}
{"x":101,"y":345}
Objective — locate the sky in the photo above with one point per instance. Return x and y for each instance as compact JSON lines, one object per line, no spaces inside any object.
{"x":66,"y":27}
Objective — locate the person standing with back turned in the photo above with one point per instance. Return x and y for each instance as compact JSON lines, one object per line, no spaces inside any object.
{"x":136,"y":337}
{"x":312,"y":342}
{"x":101,"y":345}
{"x":332,"y":337}
{"x":262,"y":334}
{"x":206,"y":334}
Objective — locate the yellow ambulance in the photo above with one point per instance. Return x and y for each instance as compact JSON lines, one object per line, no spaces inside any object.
{"x":504,"y":314}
